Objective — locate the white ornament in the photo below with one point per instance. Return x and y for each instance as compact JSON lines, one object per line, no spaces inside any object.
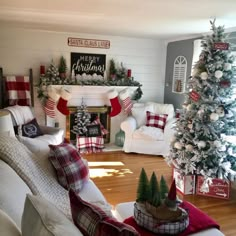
{"x":178,"y":145}
{"x":227,"y":66}
{"x":217,"y":143}
{"x":204,"y":75}
{"x":190,"y":126}
{"x":189,"y":107}
{"x":222,"y":148}
{"x":220,"y":111}
{"x":218,"y":74}
{"x":189,"y":147}
{"x":214,"y":116}
{"x":201,"y":144}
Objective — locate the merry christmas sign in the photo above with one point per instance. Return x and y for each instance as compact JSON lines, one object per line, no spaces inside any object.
{"x":218,"y":188}
{"x":88,"y":64}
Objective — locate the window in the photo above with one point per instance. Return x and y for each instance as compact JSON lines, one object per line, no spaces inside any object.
{"x":179,"y":74}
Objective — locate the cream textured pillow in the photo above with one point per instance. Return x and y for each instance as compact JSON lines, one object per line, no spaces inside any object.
{"x":42,"y":218}
{"x":8,"y":226}
{"x":139,"y":113}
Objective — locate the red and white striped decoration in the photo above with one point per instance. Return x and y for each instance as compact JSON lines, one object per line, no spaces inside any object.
{"x":49,"y":108}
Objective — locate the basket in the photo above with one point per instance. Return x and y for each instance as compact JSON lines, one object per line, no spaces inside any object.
{"x":146,"y":220}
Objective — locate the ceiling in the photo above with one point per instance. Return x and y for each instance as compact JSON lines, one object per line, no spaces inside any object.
{"x":162,"y":19}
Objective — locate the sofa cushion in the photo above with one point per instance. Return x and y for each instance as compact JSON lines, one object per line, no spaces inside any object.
{"x":30,"y":129}
{"x":72,"y":172}
{"x":139,"y":112}
{"x":42,"y":218}
{"x":156,"y":120}
{"x":160,"y":108}
{"x":92,"y":220}
{"x":8,"y":226}
{"x":148,"y":133}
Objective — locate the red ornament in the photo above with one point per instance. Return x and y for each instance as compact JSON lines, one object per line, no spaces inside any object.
{"x":194,"y":96}
{"x":225,"y":83}
{"x":42,"y":70}
{"x":129,"y":73}
{"x":221,"y":46}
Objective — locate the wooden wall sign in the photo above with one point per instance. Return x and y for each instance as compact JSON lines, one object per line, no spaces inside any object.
{"x":88,"y":43}
{"x":87,"y":63}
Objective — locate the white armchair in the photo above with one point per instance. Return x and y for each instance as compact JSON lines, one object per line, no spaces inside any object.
{"x":140,"y":138}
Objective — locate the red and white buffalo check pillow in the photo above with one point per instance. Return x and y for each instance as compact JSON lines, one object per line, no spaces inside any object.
{"x":71,"y":170}
{"x":91,"y":220}
{"x":155,"y":120}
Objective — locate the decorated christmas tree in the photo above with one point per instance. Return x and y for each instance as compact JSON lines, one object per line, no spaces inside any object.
{"x":82,"y":120}
{"x":203,"y":139}
{"x":52,"y":74}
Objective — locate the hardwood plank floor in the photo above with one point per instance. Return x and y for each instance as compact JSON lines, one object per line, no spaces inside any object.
{"x":116,"y":175}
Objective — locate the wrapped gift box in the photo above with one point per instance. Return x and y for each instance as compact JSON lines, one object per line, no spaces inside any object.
{"x":184,"y":184}
{"x":219,"y":188}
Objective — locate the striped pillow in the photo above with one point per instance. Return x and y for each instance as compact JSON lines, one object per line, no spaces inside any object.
{"x":71,"y":170}
{"x":98,"y":122}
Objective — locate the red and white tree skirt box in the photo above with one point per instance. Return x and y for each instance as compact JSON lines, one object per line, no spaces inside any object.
{"x":184,"y":184}
{"x":218,"y":188}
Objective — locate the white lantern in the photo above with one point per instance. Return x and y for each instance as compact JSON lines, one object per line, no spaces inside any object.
{"x":214,"y":116}
{"x":218,"y":74}
{"x":204,"y":75}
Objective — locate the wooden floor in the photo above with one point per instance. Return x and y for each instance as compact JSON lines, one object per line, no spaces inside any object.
{"x":116,"y":175}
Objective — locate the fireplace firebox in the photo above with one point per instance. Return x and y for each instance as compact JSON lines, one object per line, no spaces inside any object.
{"x":95,"y":111}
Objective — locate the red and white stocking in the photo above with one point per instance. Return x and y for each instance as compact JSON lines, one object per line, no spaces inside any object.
{"x":127,"y":104}
{"x":50,"y":104}
{"x":62,"y":103}
{"x":115,"y":104}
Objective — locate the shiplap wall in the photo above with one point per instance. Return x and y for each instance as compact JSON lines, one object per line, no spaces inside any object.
{"x":21,"y":49}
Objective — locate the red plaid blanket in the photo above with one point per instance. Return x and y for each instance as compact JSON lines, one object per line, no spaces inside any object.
{"x":90,"y":144}
{"x":198,"y":220}
{"x":18,"y":89}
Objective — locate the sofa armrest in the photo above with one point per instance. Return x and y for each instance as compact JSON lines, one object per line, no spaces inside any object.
{"x":169,"y":129}
{"x":129,"y":125}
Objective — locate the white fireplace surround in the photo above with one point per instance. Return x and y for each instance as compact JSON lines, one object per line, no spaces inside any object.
{"x":92,"y":96}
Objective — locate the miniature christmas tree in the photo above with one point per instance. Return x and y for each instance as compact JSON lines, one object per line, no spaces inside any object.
{"x":155,"y":199}
{"x":112,"y":69}
{"x":52,"y":74}
{"x":62,"y":68}
{"x":143,"y":192}
{"x":163,"y":188}
{"x":202,"y":142}
{"x":82,"y":120}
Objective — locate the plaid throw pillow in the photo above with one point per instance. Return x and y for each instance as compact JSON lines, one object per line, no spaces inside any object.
{"x":91,"y":220}
{"x":98,"y":122}
{"x":155,"y":120}
{"x":71,"y":170}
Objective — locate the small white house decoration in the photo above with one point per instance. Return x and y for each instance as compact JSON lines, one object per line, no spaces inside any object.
{"x":179,"y":74}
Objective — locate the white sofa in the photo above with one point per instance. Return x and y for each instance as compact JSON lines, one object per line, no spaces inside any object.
{"x":148,"y":140}
{"x":41,"y":175}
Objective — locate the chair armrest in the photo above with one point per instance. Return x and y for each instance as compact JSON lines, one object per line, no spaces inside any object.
{"x":169,"y":129}
{"x":129,"y":125}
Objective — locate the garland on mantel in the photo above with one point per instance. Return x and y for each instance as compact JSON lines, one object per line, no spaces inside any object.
{"x":117,"y":77}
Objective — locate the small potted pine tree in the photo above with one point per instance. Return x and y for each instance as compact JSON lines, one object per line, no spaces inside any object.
{"x":62,"y":68}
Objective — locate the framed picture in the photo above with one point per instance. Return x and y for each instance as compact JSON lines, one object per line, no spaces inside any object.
{"x":93,"y":131}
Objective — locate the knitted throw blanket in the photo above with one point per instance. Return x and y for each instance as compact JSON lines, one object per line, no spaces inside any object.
{"x":33,"y":170}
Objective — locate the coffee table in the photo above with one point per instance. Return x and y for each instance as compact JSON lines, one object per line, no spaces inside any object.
{"x":125,"y":210}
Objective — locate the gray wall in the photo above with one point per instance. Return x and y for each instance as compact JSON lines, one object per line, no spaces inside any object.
{"x":182,"y":48}
{"x":175,"y":49}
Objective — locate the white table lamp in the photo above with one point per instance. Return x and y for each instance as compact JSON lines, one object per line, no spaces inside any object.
{"x":6,"y":125}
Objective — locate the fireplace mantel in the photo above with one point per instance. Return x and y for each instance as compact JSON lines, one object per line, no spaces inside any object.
{"x":92,"y":95}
